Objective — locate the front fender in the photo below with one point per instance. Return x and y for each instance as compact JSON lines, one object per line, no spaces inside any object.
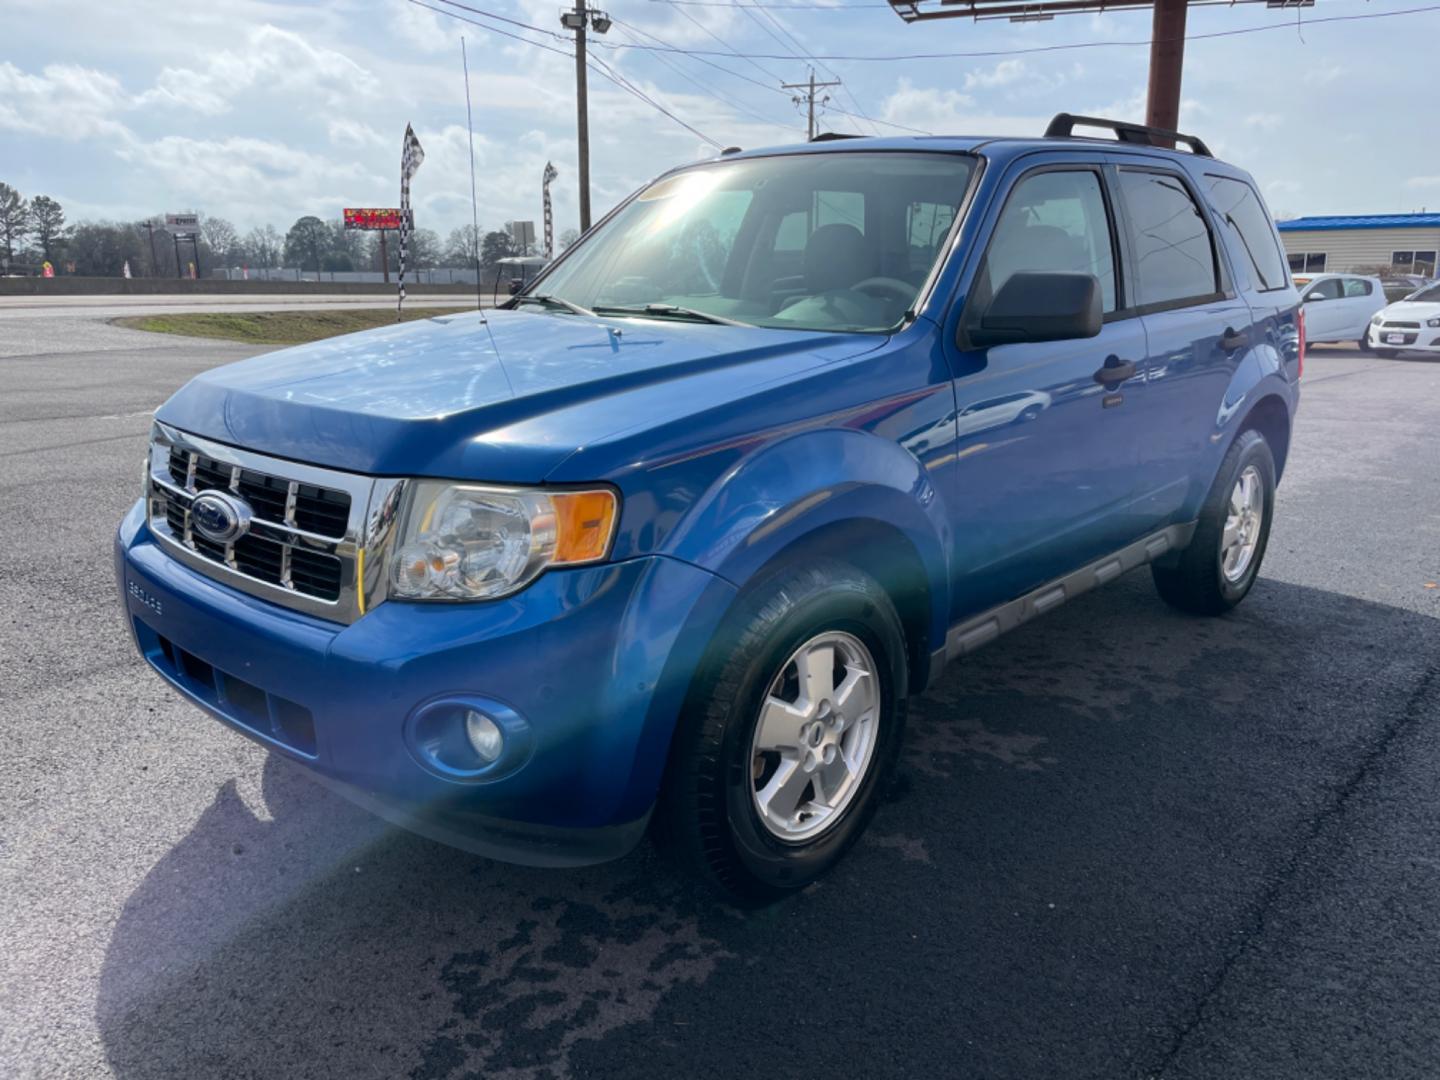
{"x":793,"y":491}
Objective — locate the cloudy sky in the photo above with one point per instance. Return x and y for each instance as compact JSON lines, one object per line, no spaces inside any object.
{"x":261,"y":111}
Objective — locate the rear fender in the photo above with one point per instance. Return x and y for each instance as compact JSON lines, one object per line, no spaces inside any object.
{"x":1259,"y":378}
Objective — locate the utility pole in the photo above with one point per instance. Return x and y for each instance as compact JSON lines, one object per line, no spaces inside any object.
{"x":577,"y":21}
{"x":1167,"y":58}
{"x":809,"y":98}
{"x":149,"y":227}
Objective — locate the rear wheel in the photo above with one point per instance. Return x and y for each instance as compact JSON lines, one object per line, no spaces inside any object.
{"x":1218,"y":568}
{"x":783,"y":748}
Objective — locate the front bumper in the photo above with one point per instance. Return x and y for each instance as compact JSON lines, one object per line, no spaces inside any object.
{"x":592,"y":663}
{"x":1426,"y":339}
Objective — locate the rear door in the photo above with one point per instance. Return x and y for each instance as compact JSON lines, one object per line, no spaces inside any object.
{"x":1045,"y":454}
{"x":1197,"y":327}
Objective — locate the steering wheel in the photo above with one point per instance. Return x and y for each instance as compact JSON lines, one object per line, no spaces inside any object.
{"x":887,"y":286}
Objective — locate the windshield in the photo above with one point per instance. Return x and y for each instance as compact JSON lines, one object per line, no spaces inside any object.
{"x":1427,"y":295}
{"x":824,"y":241}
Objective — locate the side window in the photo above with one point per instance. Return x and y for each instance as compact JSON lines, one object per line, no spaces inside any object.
{"x":1329,"y":289}
{"x":1249,"y":229}
{"x":1054,"y":221}
{"x":1174,"y":257}
{"x":1355,"y":286}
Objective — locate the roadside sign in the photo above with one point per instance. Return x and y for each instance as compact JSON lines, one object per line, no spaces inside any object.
{"x":372,"y":218}
{"x":522,"y":233}
{"x":182,"y":221}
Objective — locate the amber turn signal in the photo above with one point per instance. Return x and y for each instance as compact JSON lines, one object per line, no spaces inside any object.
{"x":584,"y":521}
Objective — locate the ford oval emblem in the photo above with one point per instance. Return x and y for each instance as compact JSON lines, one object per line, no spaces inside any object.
{"x":220,"y":516}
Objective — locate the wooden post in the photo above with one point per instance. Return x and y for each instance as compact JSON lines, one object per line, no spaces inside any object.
{"x":1167,"y":61}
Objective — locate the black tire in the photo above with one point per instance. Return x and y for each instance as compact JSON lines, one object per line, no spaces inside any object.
{"x":1387,"y":354}
{"x":1195,"y":581}
{"x":706,"y":817}
{"x":1364,"y":343}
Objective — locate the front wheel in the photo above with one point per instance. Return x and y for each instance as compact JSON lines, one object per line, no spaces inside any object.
{"x":779,"y":758}
{"x":1364,"y":343}
{"x":1220,"y":565}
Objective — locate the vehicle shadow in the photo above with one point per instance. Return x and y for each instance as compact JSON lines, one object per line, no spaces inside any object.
{"x":1085,"y":812}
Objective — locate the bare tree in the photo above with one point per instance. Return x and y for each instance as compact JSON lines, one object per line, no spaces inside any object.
{"x":461,"y":247}
{"x":47,"y":222}
{"x":568,"y":237}
{"x":221,"y":238}
{"x":14,"y":220}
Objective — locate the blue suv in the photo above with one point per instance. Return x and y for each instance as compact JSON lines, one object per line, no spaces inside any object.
{"x":668,"y":541}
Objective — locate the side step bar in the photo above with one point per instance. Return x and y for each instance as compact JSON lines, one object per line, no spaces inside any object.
{"x":981,"y":629}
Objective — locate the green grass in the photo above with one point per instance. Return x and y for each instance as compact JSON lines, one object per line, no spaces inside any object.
{"x":276,"y":327}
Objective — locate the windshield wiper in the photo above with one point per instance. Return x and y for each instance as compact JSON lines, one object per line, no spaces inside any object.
{"x":671,"y":309}
{"x":550,"y":302}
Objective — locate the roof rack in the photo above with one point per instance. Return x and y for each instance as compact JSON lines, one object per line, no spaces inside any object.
{"x":1062,"y":125}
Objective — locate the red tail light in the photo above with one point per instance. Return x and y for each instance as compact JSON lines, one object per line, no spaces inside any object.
{"x":1300,"y":355}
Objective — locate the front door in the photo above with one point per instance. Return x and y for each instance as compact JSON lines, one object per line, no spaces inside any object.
{"x":1045,"y":453}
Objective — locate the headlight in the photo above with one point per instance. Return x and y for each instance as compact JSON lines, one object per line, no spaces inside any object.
{"x":471,"y":542}
{"x":1432,"y":322}
{"x":1376,"y":320}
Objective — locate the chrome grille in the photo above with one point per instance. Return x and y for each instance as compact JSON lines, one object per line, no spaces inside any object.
{"x":312,"y":542}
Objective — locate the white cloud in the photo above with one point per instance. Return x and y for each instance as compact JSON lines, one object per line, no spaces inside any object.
{"x":353,"y":134}
{"x":273,"y":60}
{"x":426,"y":30}
{"x":1264,"y":121}
{"x":1423,"y":182}
{"x":64,"y":101}
{"x":1004,"y":73}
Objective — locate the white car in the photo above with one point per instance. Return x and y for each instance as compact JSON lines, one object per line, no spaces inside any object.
{"x":1409,"y":325}
{"x":1339,"y":307}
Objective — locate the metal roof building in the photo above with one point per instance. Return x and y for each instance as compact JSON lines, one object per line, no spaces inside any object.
{"x":1405,"y":243}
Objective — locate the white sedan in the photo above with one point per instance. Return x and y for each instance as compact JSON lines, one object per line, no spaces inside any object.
{"x":1339,"y":307}
{"x":1409,"y":325}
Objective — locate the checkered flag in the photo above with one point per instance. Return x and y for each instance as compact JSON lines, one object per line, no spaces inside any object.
{"x":411,"y":157}
{"x":550,"y":174}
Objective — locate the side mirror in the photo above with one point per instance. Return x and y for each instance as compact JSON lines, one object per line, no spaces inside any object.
{"x":1314,"y":296}
{"x":1041,"y":306}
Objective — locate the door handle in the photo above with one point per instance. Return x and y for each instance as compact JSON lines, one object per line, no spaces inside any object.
{"x":1115,"y":371}
{"x":1231,"y":340}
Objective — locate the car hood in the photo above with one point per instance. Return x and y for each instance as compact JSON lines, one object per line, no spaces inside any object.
{"x":1411,"y":310}
{"x":505,"y":399}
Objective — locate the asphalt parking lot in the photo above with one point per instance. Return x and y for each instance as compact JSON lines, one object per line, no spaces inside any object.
{"x":1123,"y":842}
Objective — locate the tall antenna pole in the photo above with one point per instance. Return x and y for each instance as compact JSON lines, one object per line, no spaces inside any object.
{"x":474,"y":203}
{"x":809,"y":98}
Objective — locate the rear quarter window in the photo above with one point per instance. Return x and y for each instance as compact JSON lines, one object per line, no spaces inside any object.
{"x":1174,"y":254}
{"x":1248,"y":231}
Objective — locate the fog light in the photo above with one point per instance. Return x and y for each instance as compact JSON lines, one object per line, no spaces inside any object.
{"x":484,"y":735}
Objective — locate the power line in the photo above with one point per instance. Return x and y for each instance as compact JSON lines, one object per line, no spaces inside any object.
{"x":722,"y":41}
{"x":775,"y":89}
{"x":739,"y":106}
{"x":594,"y":63}
{"x":981,"y":54}
{"x":828,"y":70}
{"x":978,"y":54}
